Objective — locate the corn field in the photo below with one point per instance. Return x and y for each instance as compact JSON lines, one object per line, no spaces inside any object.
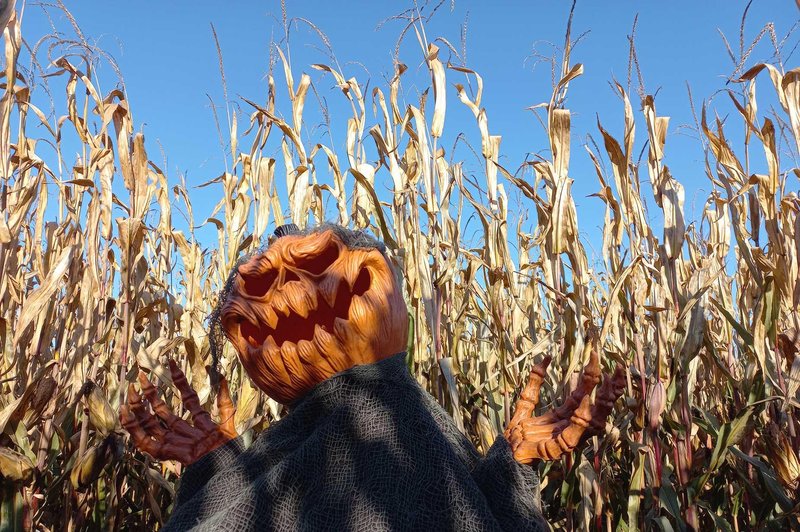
{"x":97,"y":281}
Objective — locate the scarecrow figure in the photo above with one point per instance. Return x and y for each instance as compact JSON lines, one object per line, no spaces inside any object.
{"x":320,"y":325}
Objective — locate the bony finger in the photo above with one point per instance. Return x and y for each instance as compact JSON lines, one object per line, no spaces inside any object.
{"x":144,"y":382}
{"x":526,"y":453}
{"x":139,"y":437}
{"x":610,"y":390}
{"x":594,"y":363}
{"x":180,"y":381}
{"x":591,"y":373}
{"x":578,"y":423}
{"x":145,"y":418}
{"x":188,"y":395}
{"x":564,"y":411}
{"x":532,"y":431}
{"x":159,"y":406}
{"x":125,"y":416}
{"x":535,"y":380}
{"x":166,"y":415}
{"x":148,"y":421}
{"x":589,"y":379}
{"x":529,"y":452}
{"x":174,"y":370}
{"x":154,"y":449}
{"x":151,"y":393}
{"x":189,"y":398}
{"x":153,"y":427}
{"x":131,"y":423}
{"x":175,"y":423}
{"x":551,"y":440}
{"x":616,"y":385}
{"x":529,"y":397}
{"x":550,"y":450}
{"x":134,"y":399}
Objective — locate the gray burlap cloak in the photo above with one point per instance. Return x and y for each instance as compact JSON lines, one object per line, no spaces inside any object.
{"x":368,"y":449}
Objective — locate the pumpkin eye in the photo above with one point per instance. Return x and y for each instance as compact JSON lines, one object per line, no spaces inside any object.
{"x":362,"y":283}
{"x":258,"y":285}
{"x":321,"y":261}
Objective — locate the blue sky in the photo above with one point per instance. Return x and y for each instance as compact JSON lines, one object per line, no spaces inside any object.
{"x":167,"y":55}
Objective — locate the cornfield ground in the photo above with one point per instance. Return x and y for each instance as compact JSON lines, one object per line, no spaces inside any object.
{"x":97,"y":281}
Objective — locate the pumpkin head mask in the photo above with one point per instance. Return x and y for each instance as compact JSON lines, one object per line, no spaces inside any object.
{"x":311,"y":305}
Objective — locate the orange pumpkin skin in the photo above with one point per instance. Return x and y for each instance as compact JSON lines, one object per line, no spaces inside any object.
{"x":309,"y":307}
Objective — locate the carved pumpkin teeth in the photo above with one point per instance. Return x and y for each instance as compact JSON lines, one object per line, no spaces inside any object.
{"x":263,"y":315}
{"x":270,"y":371}
{"x":250,"y":315}
{"x":301,"y":309}
{"x":292,"y":362}
{"x":310,"y":298}
{"x":328,"y":288}
{"x":270,"y":317}
{"x":281,"y":304}
{"x":324,"y":340}
{"x":316,"y":364}
{"x":307,"y":351}
{"x":248,"y":328}
{"x":274,"y":360}
{"x":297,"y":303}
{"x":342,"y":329}
{"x":271,"y":347}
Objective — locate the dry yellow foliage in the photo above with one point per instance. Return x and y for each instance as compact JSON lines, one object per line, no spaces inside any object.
{"x":96,"y":281}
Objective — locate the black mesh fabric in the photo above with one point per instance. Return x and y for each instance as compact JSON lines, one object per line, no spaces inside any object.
{"x":367,"y":449}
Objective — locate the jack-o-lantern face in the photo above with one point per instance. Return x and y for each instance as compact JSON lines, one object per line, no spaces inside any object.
{"x":309,"y":307}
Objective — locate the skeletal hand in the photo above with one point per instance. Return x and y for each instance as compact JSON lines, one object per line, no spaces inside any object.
{"x":559,"y":431}
{"x":157,"y":431}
